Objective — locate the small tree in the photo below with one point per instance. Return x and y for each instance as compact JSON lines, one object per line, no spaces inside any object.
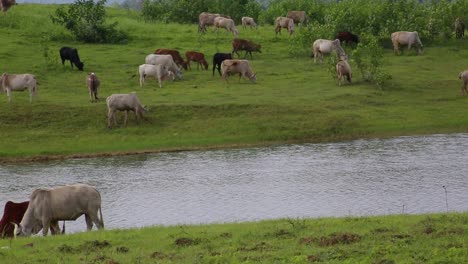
{"x":86,"y":20}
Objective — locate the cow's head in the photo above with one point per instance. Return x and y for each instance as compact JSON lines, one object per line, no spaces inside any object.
{"x":80,"y":65}
{"x":253,"y":77}
{"x":178,"y":73}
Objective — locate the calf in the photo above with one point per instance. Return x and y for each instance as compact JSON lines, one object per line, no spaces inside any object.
{"x":71,"y":54}
{"x":164,"y":60}
{"x":218,"y":58}
{"x":175,"y":56}
{"x":158,"y":71}
{"x":226,"y":23}
{"x":325,"y":46}
{"x":347,"y":37}
{"x":242,"y":67}
{"x":198,"y":57}
{"x":18,"y":82}
{"x":459,"y":28}
{"x":248,"y":21}
{"x":402,"y":38}
{"x":6,"y":4}
{"x":343,"y":69}
{"x":464,"y":77}
{"x":284,"y":22}
{"x":248,"y":46}
{"x":298,"y":17}
{"x":93,"y":83}
{"x":124,"y":102}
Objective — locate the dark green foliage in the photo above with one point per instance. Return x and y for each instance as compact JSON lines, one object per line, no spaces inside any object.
{"x":86,"y":20}
{"x":187,"y":11}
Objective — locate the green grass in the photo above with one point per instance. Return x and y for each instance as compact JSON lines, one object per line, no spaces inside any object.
{"x":439,"y":238}
{"x":292,"y":101}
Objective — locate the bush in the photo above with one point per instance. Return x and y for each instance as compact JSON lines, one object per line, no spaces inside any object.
{"x":86,"y":21}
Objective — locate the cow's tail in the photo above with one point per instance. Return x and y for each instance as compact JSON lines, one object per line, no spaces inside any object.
{"x":100,"y":216}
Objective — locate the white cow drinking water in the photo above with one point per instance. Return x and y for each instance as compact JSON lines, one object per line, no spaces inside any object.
{"x":18,"y":82}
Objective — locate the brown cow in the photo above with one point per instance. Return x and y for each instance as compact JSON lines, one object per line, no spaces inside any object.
{"x":198,"y":57}
{"x":343,"y":70}
{"x":93,"y":83}
{"x":6,"y":4}
{"x":298,"y":17}
{"x":175,"y":56}
{"x":248,"y":46}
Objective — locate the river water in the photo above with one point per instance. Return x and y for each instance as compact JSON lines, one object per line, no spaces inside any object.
{"x":362,"y":177}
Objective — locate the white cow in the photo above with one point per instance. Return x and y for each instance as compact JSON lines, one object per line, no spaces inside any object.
{"x":164,"y":60}
{"x":124,"y":102}
{"x":403,"y":38}
{"x":242,"y":67}
{"x":325,"y":46}
{"x":157,"y":71}
{"x":248,"y":21}
{"x":18,"y":82}
{"x":226,"y":23}
{"x":206,"y":19}
{"x":284,"y":22}
{"x":464,"y":77}
{"x":48,"y":206}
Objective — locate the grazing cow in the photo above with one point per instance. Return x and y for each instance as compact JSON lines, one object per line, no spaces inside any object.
{"x":218,"y":58}
{"x":298,"y":17}
{"x":284,"y":22}
{"x":226,"y":23}
{"x":207,"y":19}
{"x":164,"y":60}
{"x":13,"y":213}
{"x":347,"y":37}
{"x":343,"y":69}
{"x":459,"y":28}
{"x":93,"y":83}
{"x":18,"y":82}
{"x":124,"y":102}
{"x":157,"y":71}
{"x":325,"y":46}
{"x":48,"y":206}
{"x":6,"y":4}
{"x":248,"y":21}
{"x":198,"y":57}
{"x":402,"y":38}
{"x":71,"y":54}
{"x":464,"y":77}
{"x":242,"y":67}
{"x":248,"y":46}
{"x":175,"y":56}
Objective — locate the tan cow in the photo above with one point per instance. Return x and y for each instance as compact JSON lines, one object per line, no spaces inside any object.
{"x":93,"y":83}
{"x":464,"y":77}
{"x":343,"y":69}
{"x":242,"y":67}
{"x":226,"y":23}
{"x":248,"y":21}
{"x":325,"y":46}
{"x":18,"y":82}
{"x":284,"y":22}
{"x":207,"y":19}
{"x":124,"y":102}
{"x":405,"y":38}
{"x":159,"y":72}
{"x":298,"y":17}
{"x":6,"y":4}
{"x":48,"y":206}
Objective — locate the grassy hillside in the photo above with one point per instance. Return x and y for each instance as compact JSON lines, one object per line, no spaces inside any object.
{"x":293,"y":99}
{"x":384,"y":239}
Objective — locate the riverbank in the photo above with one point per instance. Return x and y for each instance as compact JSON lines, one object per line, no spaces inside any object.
{"x":430,"y":238}
{"x":294,"y":100}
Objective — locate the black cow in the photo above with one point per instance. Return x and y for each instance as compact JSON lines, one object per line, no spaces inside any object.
{"x":71,"y":54}
{"x":218,"y":58}
{"x":348,"y":37}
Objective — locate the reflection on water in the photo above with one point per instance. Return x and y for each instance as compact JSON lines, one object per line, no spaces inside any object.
{"x":361,"y":177}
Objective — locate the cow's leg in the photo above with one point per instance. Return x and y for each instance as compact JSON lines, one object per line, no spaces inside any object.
{"x":45,"y":226}
{"x":110,"y":116}
{"x":136,"y":115}
{"x":8,"y":94}
{"x":89,"y":222}
{"x":142,"y":80}
{"x":71,"y":63}
{"x":219,"y":69}
{"x":54,"y":228}
{"x":126,"y":118}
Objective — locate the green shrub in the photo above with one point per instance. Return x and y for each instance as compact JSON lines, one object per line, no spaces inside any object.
{"x":86,"y":21}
